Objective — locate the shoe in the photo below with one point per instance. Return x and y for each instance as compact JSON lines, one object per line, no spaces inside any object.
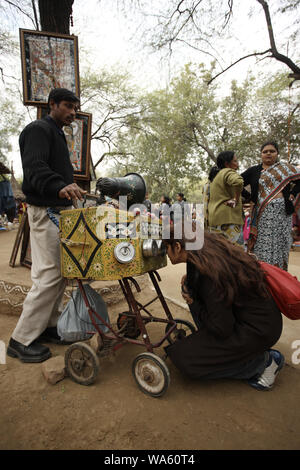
{"x":50,"y":335}
{"x":266,"y":380}
{"x":35,"y":352}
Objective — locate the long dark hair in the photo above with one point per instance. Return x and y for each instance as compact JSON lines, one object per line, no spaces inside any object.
{"x":212,"y":173}
{"x":232,"y":270}
{"x":222,"y":158}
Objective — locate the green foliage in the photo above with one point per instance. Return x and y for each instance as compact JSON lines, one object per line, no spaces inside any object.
{"x":10,"y":123}
{"x":166,"y":145}
{"x":173,"y":135}
{"x":279,"y":108}
{"x":10,"y":117}
{"x":181,"y":129}
{"x":114,"y":103}
{"x":7,"y":44}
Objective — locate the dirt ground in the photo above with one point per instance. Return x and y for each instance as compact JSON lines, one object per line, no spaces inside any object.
{"x":114,"y":414}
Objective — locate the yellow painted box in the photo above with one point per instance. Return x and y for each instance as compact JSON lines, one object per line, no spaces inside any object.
{"x":89,"y":237}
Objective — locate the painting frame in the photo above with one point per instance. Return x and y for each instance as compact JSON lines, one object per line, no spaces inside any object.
{"x":18,"y":239}
{"x":80,"y":144}
{"x":25,"y":258}
{"x":40,"y":72}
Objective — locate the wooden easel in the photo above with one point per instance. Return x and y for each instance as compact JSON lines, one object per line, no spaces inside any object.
{"x":22,"y":233}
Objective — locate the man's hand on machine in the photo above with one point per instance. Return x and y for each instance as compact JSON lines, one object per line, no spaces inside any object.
{"x":72,"y":192}
{"x":185,"y":292}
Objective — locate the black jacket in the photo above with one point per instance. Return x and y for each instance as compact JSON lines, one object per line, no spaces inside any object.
{"x":251,"y":177}
{"x":229,"y":336}
{"x":46,"y":163}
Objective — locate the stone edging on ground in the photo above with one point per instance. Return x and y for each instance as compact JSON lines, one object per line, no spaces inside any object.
{"x":13,"y":295}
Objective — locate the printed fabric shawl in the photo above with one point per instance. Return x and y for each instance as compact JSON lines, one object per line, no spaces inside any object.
{"x":272,"y":181}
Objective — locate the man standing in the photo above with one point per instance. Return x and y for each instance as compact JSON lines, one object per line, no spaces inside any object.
{"x":48,"y":183}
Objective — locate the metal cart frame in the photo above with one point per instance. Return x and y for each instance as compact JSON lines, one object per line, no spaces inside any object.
{"x":149,"y":370}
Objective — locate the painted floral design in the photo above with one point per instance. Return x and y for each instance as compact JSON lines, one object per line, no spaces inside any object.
{"x":68,"y":222}
{"x":104,"y":266}
{"x":69,"y":268}
{"x":97,"y":267}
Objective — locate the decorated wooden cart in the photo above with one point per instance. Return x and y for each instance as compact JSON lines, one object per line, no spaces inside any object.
{"x":104,"y":243}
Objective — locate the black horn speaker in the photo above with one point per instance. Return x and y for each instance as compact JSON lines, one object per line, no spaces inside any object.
{"x":131,"y":185}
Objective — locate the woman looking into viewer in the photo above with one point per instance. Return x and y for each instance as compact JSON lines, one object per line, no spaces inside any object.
{"x":273,"y":196}
{"x":237,"y":319}
{"x":164,"y":209}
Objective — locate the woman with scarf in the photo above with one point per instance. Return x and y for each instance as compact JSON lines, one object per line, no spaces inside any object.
{"x":274,"y":186}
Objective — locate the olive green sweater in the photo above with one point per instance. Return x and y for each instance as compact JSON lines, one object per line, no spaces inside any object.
{"x":225,"y":186}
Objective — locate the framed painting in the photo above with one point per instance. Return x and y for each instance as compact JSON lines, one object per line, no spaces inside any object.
{"x":49,"y":60}
{"x":78,"y":136}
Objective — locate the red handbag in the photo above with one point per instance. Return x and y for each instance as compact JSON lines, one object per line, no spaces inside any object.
{"x":284,"y":288}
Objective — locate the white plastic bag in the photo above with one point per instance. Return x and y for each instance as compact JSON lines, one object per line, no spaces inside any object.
{"x":74,"y":323}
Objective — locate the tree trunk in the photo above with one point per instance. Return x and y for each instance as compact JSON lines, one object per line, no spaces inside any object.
{"x":55,"y":15}
{"x":55,"y":18}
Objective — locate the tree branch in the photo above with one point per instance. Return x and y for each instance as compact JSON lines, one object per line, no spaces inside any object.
{"x":295,"y":109}
{"x":197,"y":49}
{"x":22,"y":11}
{"x":111,"y":154}
{"x":273,"y":50}
{"x":236,"y":62}
{"x":280,"y":57}
{"x":228,"y":14}
{"x":35,"y":15}
{"x":203,"y":145}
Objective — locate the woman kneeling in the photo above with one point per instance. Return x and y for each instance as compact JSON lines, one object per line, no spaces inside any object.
{"x":237,"y":319}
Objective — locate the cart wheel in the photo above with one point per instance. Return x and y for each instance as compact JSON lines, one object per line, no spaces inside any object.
{"x":182,"y":330}
{"x":128,"y":325}
{"x":82,"y":363}
{"x":151,"y":374}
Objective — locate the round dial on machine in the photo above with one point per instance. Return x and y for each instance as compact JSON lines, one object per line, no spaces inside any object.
{"x":124,"y":252}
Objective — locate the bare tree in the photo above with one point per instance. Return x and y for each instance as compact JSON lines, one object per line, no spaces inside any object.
{"x":274,"y":52}
{"x":22,"y":8}
{"x":196,"y":23}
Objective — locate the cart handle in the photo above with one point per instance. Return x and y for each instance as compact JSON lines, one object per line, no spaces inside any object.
{"x":157,"y":275}
{"x":135,"y":284}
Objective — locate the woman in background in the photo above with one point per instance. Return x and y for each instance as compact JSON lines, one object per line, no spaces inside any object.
{"x":206,"y":193}
{"x":273,"y":196}
{"x":165,"y":209}
{"x":225,"y":204}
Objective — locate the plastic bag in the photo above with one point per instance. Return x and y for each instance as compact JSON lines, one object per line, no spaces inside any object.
{"x":74,"y":323}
